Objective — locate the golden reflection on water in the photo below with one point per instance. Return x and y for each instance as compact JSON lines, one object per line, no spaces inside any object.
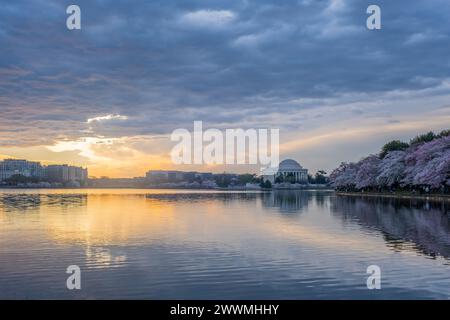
{"x":122,"y":217}
{"x":135,"y":241}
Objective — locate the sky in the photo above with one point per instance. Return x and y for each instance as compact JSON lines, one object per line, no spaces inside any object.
{"x":108,"y":96}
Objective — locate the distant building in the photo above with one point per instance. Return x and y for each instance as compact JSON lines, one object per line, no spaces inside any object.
{"x":176,"y":176}
{"x":287,"y":169}
{"x":36,"y":169}
{"x":292,"y":168}
{"x":269,"y":174}
{"x":204,"y":175}
{"x":65,"y":173}
{"x":173,"y":176}
{"x":189,"y":176}
{"x":164,"y":175}
{"x":157,"y":175}
{"x":11,"y":167}
{"x":57,"y":173}
{"x":51,"y":173}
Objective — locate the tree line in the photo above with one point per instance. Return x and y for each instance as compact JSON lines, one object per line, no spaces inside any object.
{"x":422,"y":165}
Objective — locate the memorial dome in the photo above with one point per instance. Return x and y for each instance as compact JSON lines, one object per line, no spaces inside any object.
{"x":289,"y":165}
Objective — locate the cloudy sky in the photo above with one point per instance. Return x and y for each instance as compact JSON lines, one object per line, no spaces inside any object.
{"x":109,"y":95}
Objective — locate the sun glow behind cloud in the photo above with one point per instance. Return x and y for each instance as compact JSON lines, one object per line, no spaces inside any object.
{"x":115,"y":157}
{"x":84,"y":147}
{"x":106,"y":118}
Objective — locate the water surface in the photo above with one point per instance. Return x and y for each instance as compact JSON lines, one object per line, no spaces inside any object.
{"x":172,"y":244}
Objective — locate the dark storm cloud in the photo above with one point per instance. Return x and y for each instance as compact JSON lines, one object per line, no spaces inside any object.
{"x":163,"y":64}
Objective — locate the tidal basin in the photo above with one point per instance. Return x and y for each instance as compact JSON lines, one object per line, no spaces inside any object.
{"x":187,"y":244}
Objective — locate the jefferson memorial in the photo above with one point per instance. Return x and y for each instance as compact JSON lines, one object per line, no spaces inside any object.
{"x":288,"y":168}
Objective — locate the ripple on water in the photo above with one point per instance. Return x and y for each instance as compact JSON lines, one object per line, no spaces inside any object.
{"x":216,"y":245}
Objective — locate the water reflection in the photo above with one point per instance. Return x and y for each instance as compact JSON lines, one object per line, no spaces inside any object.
{"x":194,"y":244}
{"x":287,"y":201}
{"x":16,"y":202}
{"x":225,"y":197}
{"x":101,"y":257}
{"x":405,"y":224}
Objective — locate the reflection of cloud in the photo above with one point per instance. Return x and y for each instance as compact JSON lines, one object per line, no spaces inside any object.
{"x":108,"y":219}
{"x":100,"y":257}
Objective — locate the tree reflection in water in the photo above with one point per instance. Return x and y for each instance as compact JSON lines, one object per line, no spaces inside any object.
{"x":418,"y":224}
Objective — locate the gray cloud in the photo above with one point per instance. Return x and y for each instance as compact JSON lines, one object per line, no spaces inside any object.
{"x":166,"y":63}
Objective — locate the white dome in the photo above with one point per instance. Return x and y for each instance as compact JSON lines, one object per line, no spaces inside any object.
{"x":289,"y":165}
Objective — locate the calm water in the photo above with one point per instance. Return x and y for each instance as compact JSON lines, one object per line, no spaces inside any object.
{"x":170,"y":244}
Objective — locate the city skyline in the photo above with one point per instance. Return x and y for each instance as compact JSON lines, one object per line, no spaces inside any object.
{"x":13,"y":168}
{"x":133,"y":74}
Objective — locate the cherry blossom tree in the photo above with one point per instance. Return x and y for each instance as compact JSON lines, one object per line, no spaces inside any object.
{"x":392,"y":169}
{"x":344,"y":176}
{"x":367,"y":172}
{"x":425,"y":163}
{"x":428,"y":164}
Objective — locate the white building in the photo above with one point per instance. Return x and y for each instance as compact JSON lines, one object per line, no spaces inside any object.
{"x":65,"y":173}
{"x":11,"y":167}
{"x":288,"y":171}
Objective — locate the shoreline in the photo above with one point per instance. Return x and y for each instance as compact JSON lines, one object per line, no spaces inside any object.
{"x":170,"y":188}
{"x":411,"y":196}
